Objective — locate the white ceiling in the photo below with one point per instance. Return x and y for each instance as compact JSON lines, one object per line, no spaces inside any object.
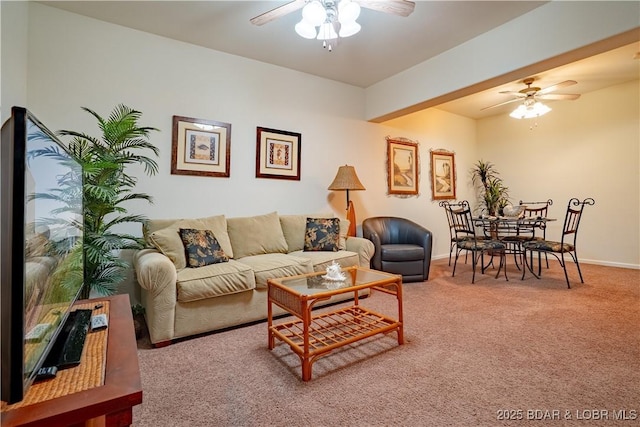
{"x":387,"y":44}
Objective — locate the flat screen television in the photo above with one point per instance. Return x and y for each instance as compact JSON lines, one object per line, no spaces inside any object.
{"x":41,"y":239}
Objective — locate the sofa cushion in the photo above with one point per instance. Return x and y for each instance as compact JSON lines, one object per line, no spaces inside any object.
{"x":322,"y":234}
{"x":166,"y":238}
{"x":201,"y":248}
{"x":167,"y":241}
{"x":214,"y":280}
{"x":255,"y":235}
{"x":294,"y":226}
{"x":270,"y":266}
{"x":218,"y":224}
{"x":321,"y":260}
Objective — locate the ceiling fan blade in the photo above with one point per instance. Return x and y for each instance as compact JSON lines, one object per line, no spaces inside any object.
{"x":559,"y":96}
{"x":557,"y":86}
{"x":395,"y":7}
{"x":279,"y":11}
{"x":500,"y":104}
{"x":513,"y":93}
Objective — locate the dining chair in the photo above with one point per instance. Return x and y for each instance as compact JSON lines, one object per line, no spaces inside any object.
{"x":527,"y":231}
{"x":453,"y":240}
{"x":567,"y":243}
{"x":467,"y":240}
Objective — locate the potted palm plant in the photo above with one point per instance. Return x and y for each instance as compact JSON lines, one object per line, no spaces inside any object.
{"x":491,"y":189}
{"x":107,"y":187}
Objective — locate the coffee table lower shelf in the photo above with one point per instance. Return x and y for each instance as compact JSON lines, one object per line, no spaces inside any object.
{"x":331,"y":330}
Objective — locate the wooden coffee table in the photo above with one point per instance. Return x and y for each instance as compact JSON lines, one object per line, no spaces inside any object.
{"x":311,"y":336}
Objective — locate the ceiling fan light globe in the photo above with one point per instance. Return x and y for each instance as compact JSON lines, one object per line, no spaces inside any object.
{"x":348,"y":11}
{"x":539,"y":109}
{"x":347,"y":30}
{"x":519,"y":113}
{"x":327,"y":32}
{"x":530,"y":111}
{"x":314,"y":13}
{"x":305,"y":29}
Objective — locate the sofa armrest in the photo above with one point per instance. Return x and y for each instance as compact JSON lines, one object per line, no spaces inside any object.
{"x":157,"y":277}
{"x":363,"y":247}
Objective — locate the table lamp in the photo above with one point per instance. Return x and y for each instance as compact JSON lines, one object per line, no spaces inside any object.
{"x":346,"y":179}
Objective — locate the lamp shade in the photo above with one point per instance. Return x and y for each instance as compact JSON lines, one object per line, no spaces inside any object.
{"x":346,"y":179}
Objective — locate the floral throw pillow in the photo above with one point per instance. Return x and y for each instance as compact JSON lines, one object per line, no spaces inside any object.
{"x":322,"y":234}
{"x":201,"y":248}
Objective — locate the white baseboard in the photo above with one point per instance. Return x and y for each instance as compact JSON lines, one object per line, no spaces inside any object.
{"x":610,"y":264}
{"x":582,"y":261}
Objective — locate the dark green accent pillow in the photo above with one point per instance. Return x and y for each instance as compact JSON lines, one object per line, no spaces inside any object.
{"x":201,"y":248}
{"x":322,"y":234}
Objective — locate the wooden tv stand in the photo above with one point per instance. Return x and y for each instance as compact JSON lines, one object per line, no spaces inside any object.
{"x":107,"y":405}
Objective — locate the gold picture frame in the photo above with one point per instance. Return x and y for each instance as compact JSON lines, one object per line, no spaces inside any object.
{"x":278,"y":154}
{"x":200,"y":147}
{"x":403,"y":165}
{"x":443,"y":175}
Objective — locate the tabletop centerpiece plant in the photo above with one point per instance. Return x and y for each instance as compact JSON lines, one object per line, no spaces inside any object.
{"x":492,"y":191}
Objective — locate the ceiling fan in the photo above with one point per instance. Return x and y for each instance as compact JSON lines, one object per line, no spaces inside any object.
{"x":531,"y":94}
{"x":395,"y":7}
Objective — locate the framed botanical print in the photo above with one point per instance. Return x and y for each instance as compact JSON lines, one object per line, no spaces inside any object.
{"x":402,"y":166}
{"x":278,"y":154}
{"x":200,"y":147}
{"x":443,"y":175}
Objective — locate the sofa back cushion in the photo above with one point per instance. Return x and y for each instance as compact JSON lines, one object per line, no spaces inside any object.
{"x":294,"y":227}
{"x":255,"y":235}
{"x":164,"y":235}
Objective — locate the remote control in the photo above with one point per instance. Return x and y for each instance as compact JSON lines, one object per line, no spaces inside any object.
{"x":99,"y":321}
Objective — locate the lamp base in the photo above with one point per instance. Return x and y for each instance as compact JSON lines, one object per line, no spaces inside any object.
{"x":351,"y":217}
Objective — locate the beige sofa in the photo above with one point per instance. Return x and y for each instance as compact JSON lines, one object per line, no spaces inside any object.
{"x":181,"y":301}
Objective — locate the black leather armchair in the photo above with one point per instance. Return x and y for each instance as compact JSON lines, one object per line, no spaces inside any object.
{"x":402,"y":247}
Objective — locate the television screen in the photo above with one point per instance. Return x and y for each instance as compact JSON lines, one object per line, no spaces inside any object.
{"x":41,"y":241}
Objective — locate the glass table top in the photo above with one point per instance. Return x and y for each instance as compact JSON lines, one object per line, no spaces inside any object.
{"x":314,"y":283}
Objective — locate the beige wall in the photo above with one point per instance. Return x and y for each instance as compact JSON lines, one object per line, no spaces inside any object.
{"x":13,"y":56}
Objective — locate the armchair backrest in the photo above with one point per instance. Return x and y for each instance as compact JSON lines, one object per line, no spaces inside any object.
{"x":391,"y":230}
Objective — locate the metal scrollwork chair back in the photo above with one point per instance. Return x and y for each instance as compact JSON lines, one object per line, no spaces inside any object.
{"x":567,"y":243}
{"x":466,"y":239}
{"x":527,"y":231}
{"x":452,"y":233}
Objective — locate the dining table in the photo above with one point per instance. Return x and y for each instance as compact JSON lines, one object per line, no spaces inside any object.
{"x":513,"y":230}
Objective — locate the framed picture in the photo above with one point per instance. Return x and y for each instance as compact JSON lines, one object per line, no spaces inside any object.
{"x":200,"y":147}
{"x":402,"y":166}
{"x":277,"y":154}
{"x":443,"y":175}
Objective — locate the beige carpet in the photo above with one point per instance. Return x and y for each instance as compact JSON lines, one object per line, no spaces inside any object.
{"x":472,"y":352}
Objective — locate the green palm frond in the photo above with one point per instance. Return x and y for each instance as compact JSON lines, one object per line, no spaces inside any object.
{"x":106,"y":190}
{"x":490,"y":188}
